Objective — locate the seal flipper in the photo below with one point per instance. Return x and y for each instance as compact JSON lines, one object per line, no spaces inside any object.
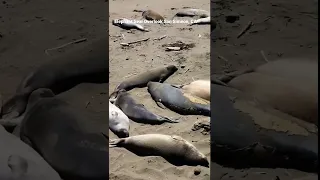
{"x":160,"y":105}
{"x":18,"y":165}
{"x":177,"y":86}
{"x":116,"y":142}
{"x":169,"y":120}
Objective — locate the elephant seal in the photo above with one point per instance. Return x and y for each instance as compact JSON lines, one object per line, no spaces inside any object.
{"x":88,"y":64}
{"x":190,"y":12}
{"x":152,"y":15}
{"x":200,"y":88}
{"x":19,"y":161}
{"x":137,"y":112}
{"x":177,"y":101}
{"x":237,"y":141}
{"x":299,"y":100}
{"x":65,"y":137}
{"x":141,"y":80}
{"x":118,"y":122}
{"x":128,"y":24}
{"x":174,"y":149}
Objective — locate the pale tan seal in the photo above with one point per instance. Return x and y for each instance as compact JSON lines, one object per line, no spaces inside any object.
{"x":174,"y":149}
{"x":200,"y":88}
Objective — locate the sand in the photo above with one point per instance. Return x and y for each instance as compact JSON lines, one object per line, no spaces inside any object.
{"x":28,"y":28}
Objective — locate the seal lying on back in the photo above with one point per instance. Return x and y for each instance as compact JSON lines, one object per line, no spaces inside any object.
{"x":137,"y":112}
{"x":128,"y":24}
{"x":88,"y":64}
{"x":118,"y":122}
{"x":174,"y":149}
{"x":18,"y":161}
{"x":141,"y":80}
{"x":177,"y":101}
{"x":65,"y":137}
{"x":200,"y":88}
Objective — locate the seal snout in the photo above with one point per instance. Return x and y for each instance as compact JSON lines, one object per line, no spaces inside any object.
{"x":123,"y":133}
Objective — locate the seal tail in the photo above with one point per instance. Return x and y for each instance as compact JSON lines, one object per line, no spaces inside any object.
{"x":169,"y":120}
{"x":116,"y":142}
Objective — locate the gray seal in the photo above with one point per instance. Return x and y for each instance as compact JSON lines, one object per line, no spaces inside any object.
{"x":173,"y":98}
{"x":138,"y":112}
{"x":159,"y":74}
{"x":65,"y":137}
{"x":88,"y":64}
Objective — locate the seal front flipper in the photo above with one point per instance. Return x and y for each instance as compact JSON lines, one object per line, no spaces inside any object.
{"x":116,"y":142}
{"x":160,"y":105}
{"x":18,"y":166}
{"x":169,"y":120}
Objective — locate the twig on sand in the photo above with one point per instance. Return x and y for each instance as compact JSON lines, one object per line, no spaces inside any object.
{"x":159,"y":38}
{"x":223,"y":58}
{"x":249,"y":25}
{"x":264,"y":56}
{"x":133,"y":42}
{"x":67,"y":44}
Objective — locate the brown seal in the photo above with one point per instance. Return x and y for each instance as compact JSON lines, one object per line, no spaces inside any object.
{"x":152,"y":15}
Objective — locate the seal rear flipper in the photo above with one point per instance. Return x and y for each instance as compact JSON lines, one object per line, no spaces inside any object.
{"x":116,"y":142}
{"x":204,"y":109}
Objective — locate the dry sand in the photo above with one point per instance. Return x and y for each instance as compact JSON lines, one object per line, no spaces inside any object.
{"x":128,"y":61}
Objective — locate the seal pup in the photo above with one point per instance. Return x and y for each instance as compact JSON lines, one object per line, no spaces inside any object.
{"x":65,"y":137}
{"x":152,"y":15}
{"x":118,"y":122}
{"x":191,"y":12}
{"x":166,"y":95}
{"x":128,"y":24}
{"x":174,"y":149}
{"x":137,"y":112}
{"x":200,"y":88}
{"x":206,"y":20}
{"x":141,"y":80}
{"x":88,"y":64}
{"x":19,"y":161}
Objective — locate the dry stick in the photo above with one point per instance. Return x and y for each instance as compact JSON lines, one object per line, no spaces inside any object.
{"x":159,"y":38}
{"x":250,"y":24}
{"x":67,"y":44}
{"x":133,"y":42}
{"x":264,"y":56}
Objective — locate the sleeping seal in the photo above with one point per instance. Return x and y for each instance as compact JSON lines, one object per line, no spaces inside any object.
{"x":174,"y":149}
{"x":298,"y":100}
{"x":190,"y":12}
{"x":200,"y":88}
{"x":206,"y":20}
{"x":88,"y":64}
{"x":118,"y":122}
{"x":18,"y":161}
{"x":141,"y":80}
{"x":152,"y":15}
{"x":177,"y":101}
{"x":244,"y":134}
{"x":137,"y":112}
{"x":65,"y":137}
{"x":128,"y":24}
